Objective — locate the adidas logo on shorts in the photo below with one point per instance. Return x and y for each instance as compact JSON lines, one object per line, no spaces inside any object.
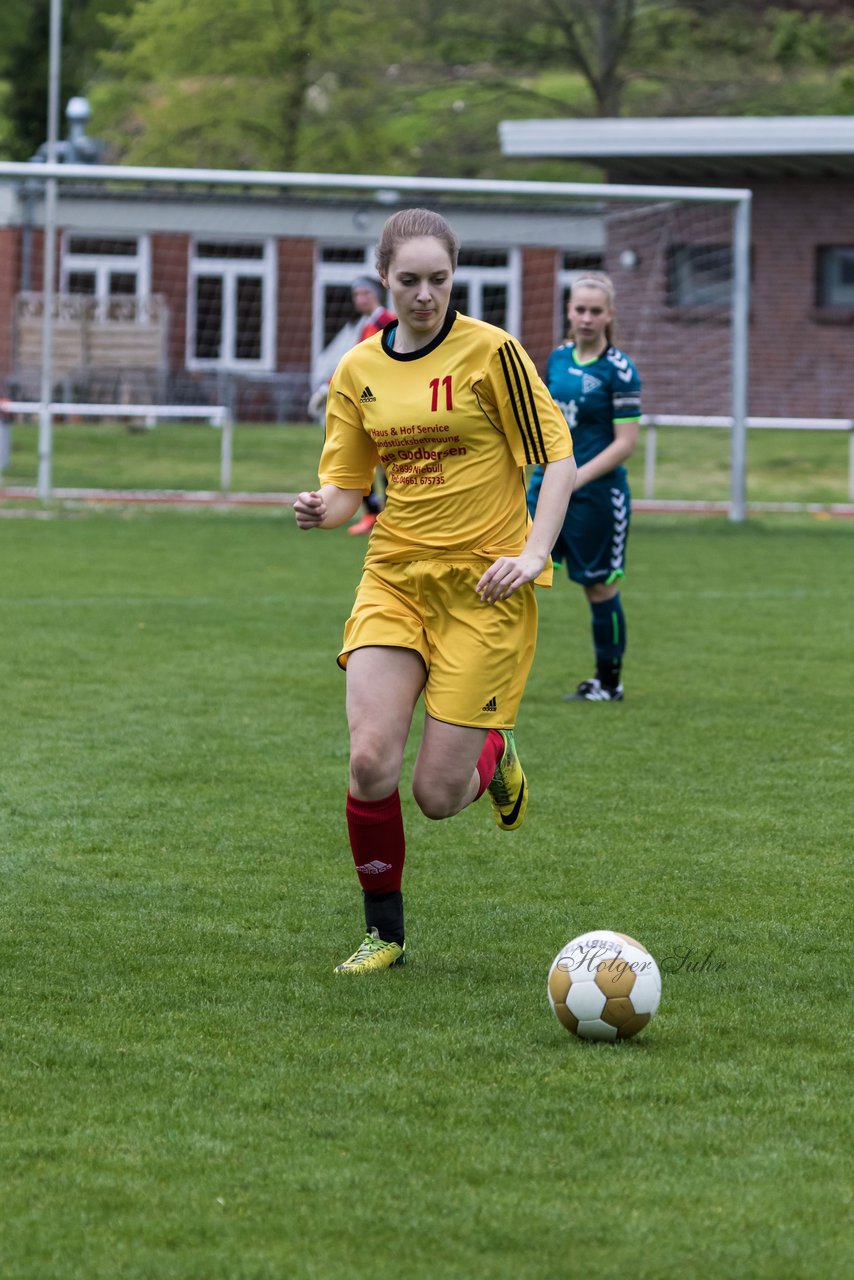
{"x":367,"y":397}
{"x":492,"y":705}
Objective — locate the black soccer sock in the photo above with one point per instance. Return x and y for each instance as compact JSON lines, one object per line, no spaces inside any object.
{"x":372,"y":503}
{"x":384,"y":912}
{"x":609,"y":639}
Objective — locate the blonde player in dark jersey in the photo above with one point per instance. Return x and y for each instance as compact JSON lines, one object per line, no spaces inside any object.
{"x":454,"y":410}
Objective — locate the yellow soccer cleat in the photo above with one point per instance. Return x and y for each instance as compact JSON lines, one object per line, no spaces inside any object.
{"x":374,"y":954}
{"x":508,"y":790}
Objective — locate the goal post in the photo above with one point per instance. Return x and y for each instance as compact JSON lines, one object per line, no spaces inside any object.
{"x":228,"y":286}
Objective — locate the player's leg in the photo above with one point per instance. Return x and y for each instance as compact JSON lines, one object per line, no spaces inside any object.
{"x":596,"y":546}
{"x":383,"y":686}
{"x":480,"y":656}
{"x":446,"y":779}
{"x":608,"y":626}
{"x":456,"y":764}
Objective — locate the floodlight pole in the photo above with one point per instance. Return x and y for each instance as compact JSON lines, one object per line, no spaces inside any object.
{"x":46,"y":395}
{"x":740,"y":344}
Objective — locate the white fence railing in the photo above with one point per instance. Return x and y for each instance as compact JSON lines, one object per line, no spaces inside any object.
{"x":220,"y":416}
{"x":652,"y":421}
{"x":217,"y":415}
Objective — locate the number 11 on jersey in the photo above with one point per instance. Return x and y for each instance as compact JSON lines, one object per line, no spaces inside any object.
{"x":434,"y":387}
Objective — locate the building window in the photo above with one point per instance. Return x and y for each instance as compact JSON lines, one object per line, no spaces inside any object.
{"x":108,"y":269}
{"x":336,"y":267}
{"x":835,"y":276}
{"x":344,"y":253}
{"x":699,"y":275}
{"x":232,"y":295}
{"x":487,"y":285}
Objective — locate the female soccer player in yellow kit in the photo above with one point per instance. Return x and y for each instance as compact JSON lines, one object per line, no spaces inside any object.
{"x":454,"y":410}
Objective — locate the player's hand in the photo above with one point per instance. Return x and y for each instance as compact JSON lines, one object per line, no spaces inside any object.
{"x":310,"y":510}
{"x":507,"y":575}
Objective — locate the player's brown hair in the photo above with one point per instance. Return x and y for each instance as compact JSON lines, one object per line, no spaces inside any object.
{"x":596,"y":280}
{"x":409,"y":224}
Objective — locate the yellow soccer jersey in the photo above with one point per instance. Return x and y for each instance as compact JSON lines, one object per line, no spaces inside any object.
{"x":454,"y":426}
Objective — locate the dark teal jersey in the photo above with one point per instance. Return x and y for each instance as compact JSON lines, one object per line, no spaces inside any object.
{"x":593,"y":397}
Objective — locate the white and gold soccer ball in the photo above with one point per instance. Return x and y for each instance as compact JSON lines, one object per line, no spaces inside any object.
{"x":604,"y":986}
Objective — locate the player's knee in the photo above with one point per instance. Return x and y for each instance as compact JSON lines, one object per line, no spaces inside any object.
{"x":599,"y":591}
{"x":435,"y":800}
{"x":372,"y":773}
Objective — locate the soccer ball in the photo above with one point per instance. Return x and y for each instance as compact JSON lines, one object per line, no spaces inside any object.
{"x":604,"y":986}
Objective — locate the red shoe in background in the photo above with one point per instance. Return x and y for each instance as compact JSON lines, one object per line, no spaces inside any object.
{"x":365,"y":525}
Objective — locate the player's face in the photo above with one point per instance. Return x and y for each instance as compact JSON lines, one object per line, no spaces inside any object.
{"x":365,"y":300}
{"x":420,"y":278}
{"x":589,"y":315}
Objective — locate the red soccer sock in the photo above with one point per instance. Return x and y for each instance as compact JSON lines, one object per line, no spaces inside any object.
{"x":493,"y":749}
{"x":377,"y":841}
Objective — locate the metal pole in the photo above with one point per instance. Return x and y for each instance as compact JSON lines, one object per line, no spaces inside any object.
{"x":740,"y":339}
{"x":649,"y":463}
{"x":45,"y":412}
{"x":226,"y":444}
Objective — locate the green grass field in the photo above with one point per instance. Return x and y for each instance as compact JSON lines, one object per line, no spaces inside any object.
{"x":188,"y":1091}
{"x":692,"y":463}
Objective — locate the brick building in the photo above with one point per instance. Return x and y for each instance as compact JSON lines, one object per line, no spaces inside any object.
{"x":214,"y":292}
{"x":801,"y":173}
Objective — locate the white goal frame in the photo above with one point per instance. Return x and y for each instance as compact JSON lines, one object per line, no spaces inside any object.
{"x":388,"y":189}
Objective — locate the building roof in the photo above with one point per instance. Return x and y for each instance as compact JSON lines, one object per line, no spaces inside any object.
{"x":719,"y":147}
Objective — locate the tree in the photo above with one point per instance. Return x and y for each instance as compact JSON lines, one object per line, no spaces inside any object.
{"x":24,"y":65}
{"x":376,"y":86}
{"x":212,"y":82}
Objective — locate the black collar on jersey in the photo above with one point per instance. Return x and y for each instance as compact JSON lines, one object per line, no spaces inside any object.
{"x":422,"y":351}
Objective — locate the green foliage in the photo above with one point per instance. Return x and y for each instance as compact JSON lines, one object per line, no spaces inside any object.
{"x":218,"y":83}
{"x":374,"y":85}
{"x":190,"y":1092}
{"x":24,"y":50}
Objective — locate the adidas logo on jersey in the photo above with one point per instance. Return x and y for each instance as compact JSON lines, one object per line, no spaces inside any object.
{"x":491,"y":705}
{"x":367,"y":397}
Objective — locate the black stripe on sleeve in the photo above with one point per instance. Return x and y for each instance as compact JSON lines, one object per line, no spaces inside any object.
{"x":532,"y":436}
{"x":526,"y":443}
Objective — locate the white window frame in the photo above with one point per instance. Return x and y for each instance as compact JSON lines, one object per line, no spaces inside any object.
{"x":343,"y":273}
{"x":510,"y":276}
{"x":335,"y":273}
{"x":102,"y":266}
{"x":229,"y":269}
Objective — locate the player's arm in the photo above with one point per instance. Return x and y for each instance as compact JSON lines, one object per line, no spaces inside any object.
{"x":536,"y":433}
{"x":347,"y":462}
{"x":508,"y":573}
{"x":326,"y":507}
{"x":620,"y":448}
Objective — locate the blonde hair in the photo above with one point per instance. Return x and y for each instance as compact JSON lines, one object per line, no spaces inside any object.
{"x":596,"y":280}
{"x":410,"y":224}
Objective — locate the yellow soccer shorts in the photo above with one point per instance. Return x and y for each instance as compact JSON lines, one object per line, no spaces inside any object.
{"x":477,"y":655}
